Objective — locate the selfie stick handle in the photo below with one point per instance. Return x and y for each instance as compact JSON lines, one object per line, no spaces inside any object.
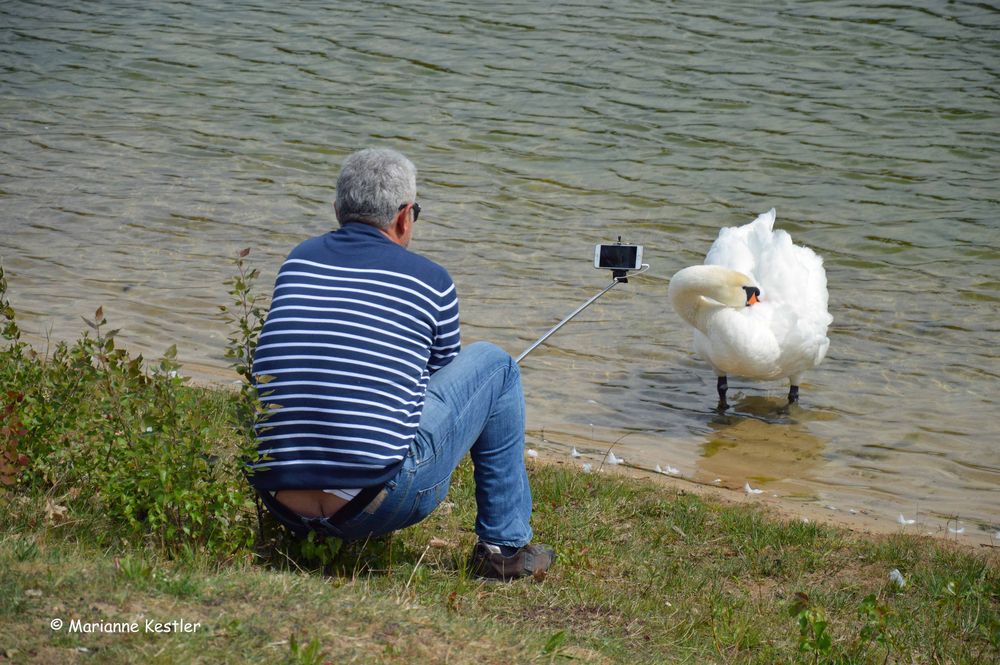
{"x":567,"y":319}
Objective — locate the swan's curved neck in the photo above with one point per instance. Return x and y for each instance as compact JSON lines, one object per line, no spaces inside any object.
{"x":698,"y":291}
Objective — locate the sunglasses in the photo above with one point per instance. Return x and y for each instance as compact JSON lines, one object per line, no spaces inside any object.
{"x":416,"y":210}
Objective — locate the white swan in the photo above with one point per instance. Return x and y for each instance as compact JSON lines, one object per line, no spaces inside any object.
{"x":758,"y":305}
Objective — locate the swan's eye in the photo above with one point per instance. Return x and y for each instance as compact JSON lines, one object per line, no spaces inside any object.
{"x":753,"y":295}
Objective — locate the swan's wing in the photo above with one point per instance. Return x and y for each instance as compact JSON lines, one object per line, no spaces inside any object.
{"x":740,"y":247}
{"x":804,"y":344}
{"x":792,"y":279}
{"x":789,"y":275}
{"x":792,"y":275}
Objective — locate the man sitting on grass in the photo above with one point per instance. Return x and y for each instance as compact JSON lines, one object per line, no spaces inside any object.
{"x":372,"y":402}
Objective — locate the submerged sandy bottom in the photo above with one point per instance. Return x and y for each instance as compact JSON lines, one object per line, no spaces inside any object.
{"x":787,"y":499}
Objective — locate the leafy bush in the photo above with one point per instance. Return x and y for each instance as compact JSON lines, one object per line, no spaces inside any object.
{"x":123,"y":444}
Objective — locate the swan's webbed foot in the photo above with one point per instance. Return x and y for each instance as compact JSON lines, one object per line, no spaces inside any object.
{"x":793,"y":394}
{"x":722,"y":385}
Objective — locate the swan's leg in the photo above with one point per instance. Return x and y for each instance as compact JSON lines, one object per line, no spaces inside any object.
{"x":793,"y":388}
{"x":722,"y":385}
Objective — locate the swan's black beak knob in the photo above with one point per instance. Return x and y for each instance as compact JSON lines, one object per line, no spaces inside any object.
{"x":753,"y":295}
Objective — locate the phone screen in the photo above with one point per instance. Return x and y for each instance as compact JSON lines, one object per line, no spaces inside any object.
{"x":622,"y":257}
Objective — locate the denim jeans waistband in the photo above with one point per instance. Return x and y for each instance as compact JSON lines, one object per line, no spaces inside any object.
{"x":300,"y":524}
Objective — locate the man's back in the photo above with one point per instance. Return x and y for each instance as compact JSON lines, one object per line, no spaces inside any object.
{"x":357,"y":326}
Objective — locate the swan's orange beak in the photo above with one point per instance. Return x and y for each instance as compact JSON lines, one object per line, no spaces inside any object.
{"x":752,"y":295}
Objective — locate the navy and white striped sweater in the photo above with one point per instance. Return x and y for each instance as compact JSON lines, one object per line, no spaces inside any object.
{"x":357,"y":325}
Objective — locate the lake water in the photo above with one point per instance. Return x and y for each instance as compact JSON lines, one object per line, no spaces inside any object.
{"x":143,"y":144}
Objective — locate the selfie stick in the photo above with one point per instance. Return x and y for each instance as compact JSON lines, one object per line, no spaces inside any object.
{"x":619,"y":275}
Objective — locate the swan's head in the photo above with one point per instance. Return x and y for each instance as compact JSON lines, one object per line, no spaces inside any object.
{"x":724,"y":286}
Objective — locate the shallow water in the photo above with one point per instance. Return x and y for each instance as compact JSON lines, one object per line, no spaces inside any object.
{"x":144,"y":144}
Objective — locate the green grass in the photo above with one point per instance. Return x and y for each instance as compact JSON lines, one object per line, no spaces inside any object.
{"x":645,"y":575}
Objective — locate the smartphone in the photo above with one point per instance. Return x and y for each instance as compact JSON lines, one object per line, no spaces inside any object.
{"x":618,"y":257}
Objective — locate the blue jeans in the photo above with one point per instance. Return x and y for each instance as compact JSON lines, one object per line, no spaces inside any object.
{"x":474,"y":404}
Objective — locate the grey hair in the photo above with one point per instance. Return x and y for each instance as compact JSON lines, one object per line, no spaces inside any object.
{"x":373,"y":183}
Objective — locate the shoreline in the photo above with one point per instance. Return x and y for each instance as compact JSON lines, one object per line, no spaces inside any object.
{"x":861,"y":520}
{"x":788,"y":496}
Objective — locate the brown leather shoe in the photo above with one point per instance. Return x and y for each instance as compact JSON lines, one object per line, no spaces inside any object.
{"x":488,"y":561}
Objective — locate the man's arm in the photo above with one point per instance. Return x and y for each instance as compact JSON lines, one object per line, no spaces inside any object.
{"x":447,"y":339}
